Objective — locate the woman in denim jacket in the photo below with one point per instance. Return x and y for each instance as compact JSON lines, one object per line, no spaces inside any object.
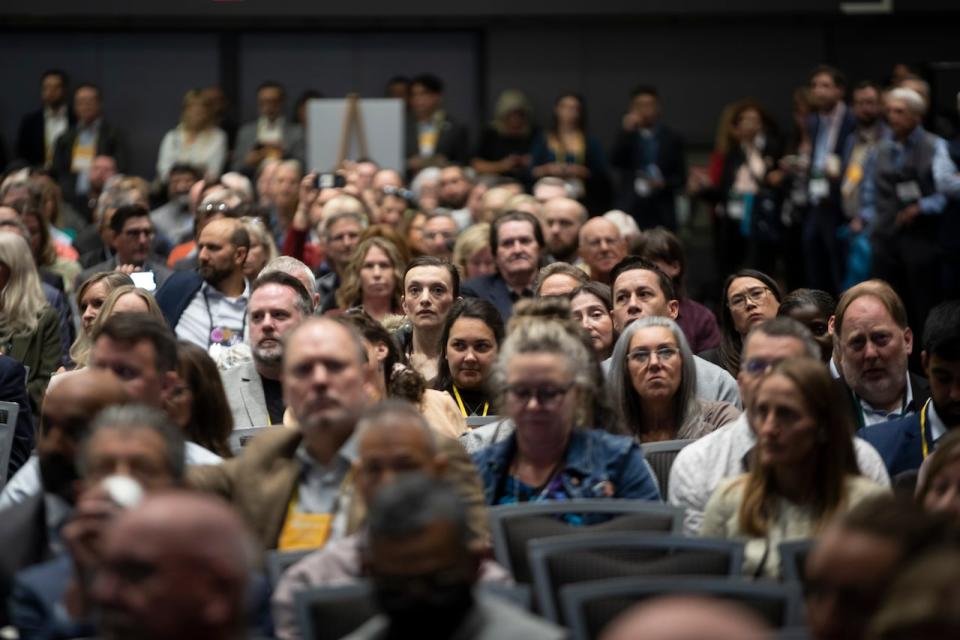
{"x":543,"y":382}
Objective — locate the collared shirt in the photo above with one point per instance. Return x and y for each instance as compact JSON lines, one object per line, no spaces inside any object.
{"x":827,"y":136}
{"x":270,"y":131}
{"x":323,"y":487}
{"x":937,"y":428}
{"x":872,"y":415}
{"x":55,"y":122}
{"x":84,"y":150}
{"x":209,"y":303}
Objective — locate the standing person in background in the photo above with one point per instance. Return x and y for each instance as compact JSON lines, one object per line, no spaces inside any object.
{"x":651,"y":159}
{"x":566,"y":151}
{"x":91,"y":136}
{"x":432,"y":138}
{"x":504,"y":147}
{"x":270,"y":136}
{"x":829,"y":129}
{"x":40,"y":129}
{"x":196,"y":141}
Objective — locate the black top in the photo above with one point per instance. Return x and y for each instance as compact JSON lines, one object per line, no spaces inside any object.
{"x":473,"y":401}
{"x":273,"y":392}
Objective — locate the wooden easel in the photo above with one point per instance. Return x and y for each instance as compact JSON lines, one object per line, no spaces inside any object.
{"x":352,"y":124}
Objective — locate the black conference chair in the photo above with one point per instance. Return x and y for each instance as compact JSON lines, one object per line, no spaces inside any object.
{"x":8,"y":426}
{"x":590,"y":606}
{"x":514,"y":525}
{"x":793,"y":559}
{"x":559,"y":561}
{"x":661,"y":455}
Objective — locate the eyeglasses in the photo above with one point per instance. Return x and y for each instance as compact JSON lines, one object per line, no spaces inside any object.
{"x":755,"y":295}
{"x":547,"y":397}
{"x":759,"y":366}
{"x":390,"y":190}
{"x":642,"y":356}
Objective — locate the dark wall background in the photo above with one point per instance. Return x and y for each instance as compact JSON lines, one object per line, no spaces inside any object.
{"x":146,"y":55}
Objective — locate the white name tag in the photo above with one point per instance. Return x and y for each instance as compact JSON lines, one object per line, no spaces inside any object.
{"x":908,"y":192}
{"x":642,"y":187}
{"x":819,"y":188}
{"x":735,"y":208}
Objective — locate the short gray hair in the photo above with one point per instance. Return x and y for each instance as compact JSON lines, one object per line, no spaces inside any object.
{"x":293,"y":267}
{"x":130,"y":418}
{"x":783,"y":327}
{"x":913,"y":100}
{"x":625,"y":398}
{"x":411,"y":504}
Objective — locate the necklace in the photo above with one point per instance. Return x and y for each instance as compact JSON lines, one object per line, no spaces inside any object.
{"x":470,"y":410}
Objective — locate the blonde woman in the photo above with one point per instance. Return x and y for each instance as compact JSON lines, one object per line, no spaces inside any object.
{"x":195,"y":141}
{"x":471,"y":252}
{"x":262,"y":247}
{"x":373,"y":280}
{"x":29,"y":327}
{"x":91,"y":297}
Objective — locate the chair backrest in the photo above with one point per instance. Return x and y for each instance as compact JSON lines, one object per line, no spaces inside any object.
{"x":330,"y":613}
{"x":793,"y":559}
{"x":8,"y":425}
{"x":478,"y":421}
{"x":660,"y":456}
{"x":591,"y":606}
{"x":239,"y":438}
{"x":514,"y":525}
{"x":280,"y":561}
{"x":557,"y":562}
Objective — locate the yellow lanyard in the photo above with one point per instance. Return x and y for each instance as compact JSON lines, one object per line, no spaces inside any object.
{"x":923,"y":430}
{"x":463,"y":409}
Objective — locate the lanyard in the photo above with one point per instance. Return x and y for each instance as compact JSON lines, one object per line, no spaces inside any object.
{"x":210,"y":340}
{"x":924,"y":448}
{"x":463,"y":409}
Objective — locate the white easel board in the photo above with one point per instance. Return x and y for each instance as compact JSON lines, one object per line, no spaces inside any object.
{"x":382,"y":120}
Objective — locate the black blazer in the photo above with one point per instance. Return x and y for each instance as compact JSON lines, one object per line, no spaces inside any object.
{"x":110,"y":142}
{"x":30,"y":137}
{"x":921,"y":393}
{"x":451,"y":143}
{"x":13,"y":388}
{"x":494,"y":290}
{"x":659,"y":208}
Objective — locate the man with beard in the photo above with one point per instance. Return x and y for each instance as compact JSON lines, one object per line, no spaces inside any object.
{"x":293,"y":485}
{"x":424,"y":571}
{"x":562,"y":219}
{"x":39,"y":498}
{"x":905,"y":443}
{"x":210,"y":306}
{"x":601,"y":248}
{"x":278,"y":304}
{"x":455,"y":187}
{"x":874,"y":342}
{"x":516,"y":240}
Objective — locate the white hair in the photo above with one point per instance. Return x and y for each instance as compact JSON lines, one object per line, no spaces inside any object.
{"x":911,"y":98}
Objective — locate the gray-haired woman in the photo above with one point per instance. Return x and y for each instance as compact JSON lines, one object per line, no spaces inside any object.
{"x":653,"y":381}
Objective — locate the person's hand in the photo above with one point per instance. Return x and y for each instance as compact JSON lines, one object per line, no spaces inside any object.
{"x":308,"y":195}
{"x":128,"y":268}
{"x":577,"y":171}
{"x":856,"y":225}
{"x":521,"y":161}
{"x":630,"y":121}
{"x":907,"y":215}
{"x":776,"y":177}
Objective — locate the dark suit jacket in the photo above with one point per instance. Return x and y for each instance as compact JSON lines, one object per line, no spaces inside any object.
{"x":847,"y":127}
{"x":23,"y":542}
{"x":452,"y":143}
{"x":494,"y":290}
{"x":13,"y":388}
{"x":898,"y":443}
{"x":659,"y":207}
{"x":110,"y":142}
{"x":30,"y":138}
{"x":176,"y":293}
{"x":35,"y":598}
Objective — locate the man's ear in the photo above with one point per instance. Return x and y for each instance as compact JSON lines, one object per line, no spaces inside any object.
{"x":674,"y":307}
{"x":925,"y":361}
{"x":169,"y":382}
{"x":908,"y":339}
{"x":241,"y":255}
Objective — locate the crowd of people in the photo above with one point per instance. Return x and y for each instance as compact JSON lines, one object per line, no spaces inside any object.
{"x":239,"y":356}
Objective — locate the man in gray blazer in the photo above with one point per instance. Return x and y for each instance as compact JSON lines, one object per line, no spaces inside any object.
{"x":270,"y":136}
{"x":278,"y":304}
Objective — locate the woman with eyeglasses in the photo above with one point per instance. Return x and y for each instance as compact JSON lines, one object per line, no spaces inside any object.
{"x":749,"y":298}
{"x":653,"y":380}
{"x":812,"y":308}
{"x":469,"y":344}
{"x":543,"y":381}
{"x":802,"y":471}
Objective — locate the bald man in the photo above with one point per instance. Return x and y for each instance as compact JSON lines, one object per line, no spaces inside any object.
{"x":688,"y":618}
{"x":209,"y":306}
{"x":601,"y":247}
{"x":196,"y":553}
{"x":39,"y":498}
